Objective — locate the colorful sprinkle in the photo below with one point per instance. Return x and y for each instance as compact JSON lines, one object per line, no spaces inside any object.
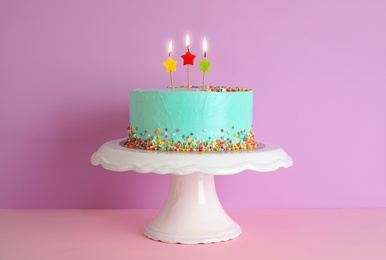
{"x":243,"y":141}
{"x":214,"y":88}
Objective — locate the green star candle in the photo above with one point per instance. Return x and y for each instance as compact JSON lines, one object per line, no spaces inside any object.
{"x":204,"y":63}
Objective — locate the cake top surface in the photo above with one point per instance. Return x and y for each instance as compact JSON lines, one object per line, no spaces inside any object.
{"x":201,"y":89}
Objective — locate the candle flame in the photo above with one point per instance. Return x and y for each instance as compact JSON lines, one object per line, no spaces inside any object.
{"x":204,"y":47}
{"x":170,"y":47}
{"x":187,"y":42}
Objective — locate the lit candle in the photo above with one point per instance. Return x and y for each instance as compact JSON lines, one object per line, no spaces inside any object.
{"x":204,"y":47}
{"x":187,"y":42}
{"x":204,"y":63}
{"x":170,"y":64}
{"x":188,"y":58}
{"x":170,"y":47}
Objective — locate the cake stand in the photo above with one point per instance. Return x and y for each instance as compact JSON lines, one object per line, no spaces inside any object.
{"x":192,"y":213}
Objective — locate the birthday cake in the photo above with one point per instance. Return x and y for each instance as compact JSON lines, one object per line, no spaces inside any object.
{"x":194,"y":119}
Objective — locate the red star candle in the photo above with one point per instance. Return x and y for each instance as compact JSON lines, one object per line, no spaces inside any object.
{"x":188,"y":58}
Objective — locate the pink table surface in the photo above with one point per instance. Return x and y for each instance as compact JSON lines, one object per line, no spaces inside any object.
{"x":267,"y":234}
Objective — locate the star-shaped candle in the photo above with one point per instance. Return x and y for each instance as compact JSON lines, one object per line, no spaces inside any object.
{"x":188,"y":58}
{"x":170,"y":64}
{"x":204,"y":63}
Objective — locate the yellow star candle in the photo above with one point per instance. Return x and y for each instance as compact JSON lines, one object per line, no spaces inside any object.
{"x":170,"y":64}
{"x":204,"y":63}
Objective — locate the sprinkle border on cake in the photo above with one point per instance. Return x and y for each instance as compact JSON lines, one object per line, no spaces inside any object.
{"x":160,"y":141}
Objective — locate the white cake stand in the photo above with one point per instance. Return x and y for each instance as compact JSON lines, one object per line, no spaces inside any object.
{"x":192,"y":213}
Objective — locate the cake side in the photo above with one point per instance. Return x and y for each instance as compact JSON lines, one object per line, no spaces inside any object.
{"x":191,"y":120}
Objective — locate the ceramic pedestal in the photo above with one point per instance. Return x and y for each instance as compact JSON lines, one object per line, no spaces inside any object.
{"x":192,"y":213}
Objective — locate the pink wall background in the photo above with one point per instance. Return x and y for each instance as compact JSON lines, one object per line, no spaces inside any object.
{"x":318,"y":69}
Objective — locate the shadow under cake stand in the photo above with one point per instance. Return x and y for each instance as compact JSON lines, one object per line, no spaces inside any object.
{"x":192,"y":213}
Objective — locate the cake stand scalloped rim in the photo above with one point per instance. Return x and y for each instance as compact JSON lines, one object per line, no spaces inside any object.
{"x":111,"y":157}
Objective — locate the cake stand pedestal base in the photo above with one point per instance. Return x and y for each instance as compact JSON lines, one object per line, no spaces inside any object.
{"x":192,"y":213}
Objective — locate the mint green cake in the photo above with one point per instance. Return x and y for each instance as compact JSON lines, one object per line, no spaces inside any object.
{"x":191,"y":119}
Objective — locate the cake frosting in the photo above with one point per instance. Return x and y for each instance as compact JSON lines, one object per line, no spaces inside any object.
{"x":194,"y":119}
